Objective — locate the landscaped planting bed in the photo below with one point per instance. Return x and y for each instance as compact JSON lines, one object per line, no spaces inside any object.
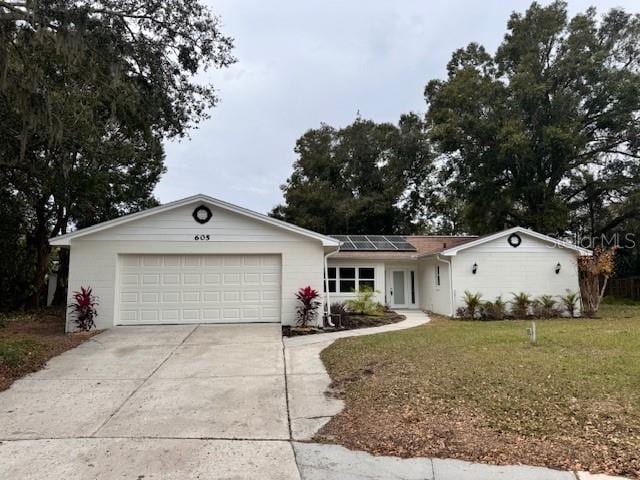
{"x":350,"y":321}
{"x":481,"y":391}
{"x":28,"y":340}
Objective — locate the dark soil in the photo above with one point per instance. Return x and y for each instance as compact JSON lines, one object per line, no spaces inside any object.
{"x":29,"y":339}
{"x":349,"y":322}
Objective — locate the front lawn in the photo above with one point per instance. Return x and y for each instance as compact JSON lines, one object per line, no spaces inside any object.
{"x":28,"y":340}
{"x":480,"y":391}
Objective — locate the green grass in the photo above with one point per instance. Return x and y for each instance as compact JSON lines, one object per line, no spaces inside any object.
{"x":620,"y":301}
{"x":481,"y":391}
{"x":15,"y":353}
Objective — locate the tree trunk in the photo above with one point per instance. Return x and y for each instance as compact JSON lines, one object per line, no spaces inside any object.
{"x":39,"y":243}
{"x":42,"y":251}
{"x":60,"y":295}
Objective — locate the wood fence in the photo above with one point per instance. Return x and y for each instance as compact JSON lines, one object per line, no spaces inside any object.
{"x":624,"y":288}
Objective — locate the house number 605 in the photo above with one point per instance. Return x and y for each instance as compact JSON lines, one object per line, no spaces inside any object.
{"x":202,"y":237}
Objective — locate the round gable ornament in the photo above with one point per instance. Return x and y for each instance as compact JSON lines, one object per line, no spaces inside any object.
{"x":202,"y":214}
{"x":514,"y":240}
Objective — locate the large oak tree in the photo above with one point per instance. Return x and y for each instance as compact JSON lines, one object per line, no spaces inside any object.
{"x":544,"y":133}
{"x":364,"y":178}
{"x":88,"y":92}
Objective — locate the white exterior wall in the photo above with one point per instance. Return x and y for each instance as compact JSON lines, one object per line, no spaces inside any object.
{"x":434,"y":298}
{"x":94,"y":257}
{"x":379,"y":281}
{"x":502,"y":269}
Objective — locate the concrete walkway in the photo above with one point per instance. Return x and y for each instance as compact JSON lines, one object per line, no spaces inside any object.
{"x":308,"y":381}
{"x":198,"y":402}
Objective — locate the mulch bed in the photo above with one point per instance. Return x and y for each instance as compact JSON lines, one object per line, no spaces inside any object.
{"x":350,"y":322}
{"x":29,"y":339}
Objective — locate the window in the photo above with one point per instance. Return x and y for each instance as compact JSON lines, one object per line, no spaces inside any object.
{"x":332,"y":280}
{"x":347,"y":280}
{"x":350,"y":279}
{"x":437,"y":271}
{"x":366,"y":278}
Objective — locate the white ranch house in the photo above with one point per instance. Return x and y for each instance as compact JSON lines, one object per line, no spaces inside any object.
{"x":202,"y":260}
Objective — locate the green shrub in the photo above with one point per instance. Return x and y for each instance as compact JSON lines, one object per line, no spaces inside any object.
{"x":473,"y":304}
{"x":521,"y":304}
{"x":340,"y":310}
{"x":496,"y":310}
{"x":545,"y":307}
{"x":570,"y":303}
{"x":364,"y":304}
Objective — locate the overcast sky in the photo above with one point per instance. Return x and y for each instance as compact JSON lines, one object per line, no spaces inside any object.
{"x":303,"y":62}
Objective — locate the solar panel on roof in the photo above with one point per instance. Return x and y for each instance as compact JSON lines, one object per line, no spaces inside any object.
{"x":383,"y":245}
{"x":404,"y":246}
{"x":374,"y":242}
{"x":366,"y":245}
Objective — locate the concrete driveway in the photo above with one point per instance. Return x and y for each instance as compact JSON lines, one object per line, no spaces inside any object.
{"x":204,"y":401}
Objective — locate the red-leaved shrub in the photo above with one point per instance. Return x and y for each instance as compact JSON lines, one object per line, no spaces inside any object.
{"x":309,"y":304}
{"x":84,"y":308}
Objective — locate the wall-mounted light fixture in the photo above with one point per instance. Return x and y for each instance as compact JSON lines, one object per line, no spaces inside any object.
{"x":474,"y":269}
{"x":558,"y":266}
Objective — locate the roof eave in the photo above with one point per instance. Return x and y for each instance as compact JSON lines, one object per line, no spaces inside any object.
{"x":65,"y":239}
{"x":452,"y":252}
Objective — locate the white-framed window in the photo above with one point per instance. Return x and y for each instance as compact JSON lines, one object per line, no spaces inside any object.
{"x":437,"y":275}
{"x":350,"y":279}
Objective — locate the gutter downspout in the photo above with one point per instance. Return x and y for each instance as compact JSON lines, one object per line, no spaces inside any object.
{"x":451,"y":297}
{"x":327,"y":297}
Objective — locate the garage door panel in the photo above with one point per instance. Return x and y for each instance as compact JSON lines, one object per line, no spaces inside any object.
{"x":151,"y":279}
{"x":211,"y":297}
{"x":213,"y":261}
{"x":152,"y":261}
{"x":211,"y":279}
{"x":170,"y":297}
{"x":190,"y":297}
{"x":199,"y":288}
{"x":172,"y":261}
{"x":170,"y":279}
{"x":231,"y":279}
{"x":191,"y":260}
{"x":170,"y":315}
{"x":191,"y":279}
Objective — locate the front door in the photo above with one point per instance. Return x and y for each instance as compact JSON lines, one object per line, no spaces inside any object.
{"x":398,"y":289}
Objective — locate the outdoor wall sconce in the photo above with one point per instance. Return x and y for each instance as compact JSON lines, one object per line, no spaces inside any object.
{"x":558,"y":266}
{"x":474,"y":269}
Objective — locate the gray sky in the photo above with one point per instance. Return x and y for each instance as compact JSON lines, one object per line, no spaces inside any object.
{"x":304,"y":62}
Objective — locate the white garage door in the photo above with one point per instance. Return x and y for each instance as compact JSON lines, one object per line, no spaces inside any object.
{"x":155,"y":289}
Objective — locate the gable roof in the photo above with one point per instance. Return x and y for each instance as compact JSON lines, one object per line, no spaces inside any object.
{"x":66,"y":238}
{"x":525,"y":231}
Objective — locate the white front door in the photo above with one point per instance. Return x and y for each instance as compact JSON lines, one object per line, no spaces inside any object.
{"x":398,"y":290}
